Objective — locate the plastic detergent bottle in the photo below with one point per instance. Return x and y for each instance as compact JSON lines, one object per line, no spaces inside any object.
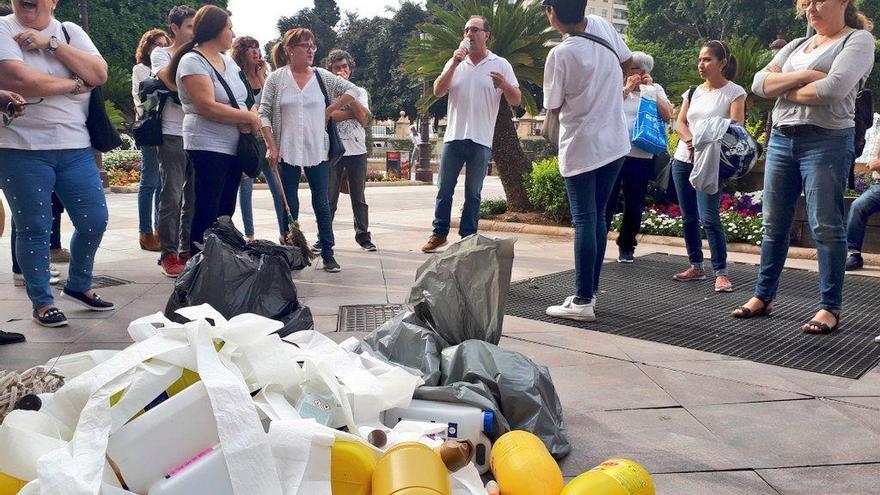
{"x":411,"y":468}
{"x":463,"y":423}
{"x":523,"y":466}
{"x":205,"y":474}
{"x":10,"y":485}
{"x":351,"y":468}
{"x":612,"y":477}
{"x":152,"y":445}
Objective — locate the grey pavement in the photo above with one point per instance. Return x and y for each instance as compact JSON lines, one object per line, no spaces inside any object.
{"x":701,"y":423}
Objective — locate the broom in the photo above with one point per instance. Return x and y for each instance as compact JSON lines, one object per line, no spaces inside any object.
{"x":294,"y":236}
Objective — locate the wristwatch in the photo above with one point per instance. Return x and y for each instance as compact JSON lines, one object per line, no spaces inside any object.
{"x":53,"y":44}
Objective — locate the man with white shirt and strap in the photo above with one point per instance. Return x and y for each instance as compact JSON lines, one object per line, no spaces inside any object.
{"x":177,"y":196}
{"x":475,"y":79}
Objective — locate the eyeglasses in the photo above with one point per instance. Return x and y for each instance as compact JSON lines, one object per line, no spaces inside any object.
{"x":307,"y":47}
{"x":10,"y":114}
{"x":817,"y":3}
{"x":474,"y":29}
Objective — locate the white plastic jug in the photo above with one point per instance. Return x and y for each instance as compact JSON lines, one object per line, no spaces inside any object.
{"x":463,"y":423}
{"x":205,"y":475}
{"x":164,"y":438}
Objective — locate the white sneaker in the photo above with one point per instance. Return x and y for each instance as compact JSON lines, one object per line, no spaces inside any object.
{"x":571,"y":311}
{"x":18,"y":279}
{"x":53,"y":271}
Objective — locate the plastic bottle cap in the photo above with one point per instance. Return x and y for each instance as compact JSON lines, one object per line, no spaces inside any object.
{"x":489,"y":422}
{"x":29,"y":402}
{"x":377,"y":438}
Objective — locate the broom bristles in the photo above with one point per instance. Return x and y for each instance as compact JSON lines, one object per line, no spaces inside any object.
{"x":297,"y":239}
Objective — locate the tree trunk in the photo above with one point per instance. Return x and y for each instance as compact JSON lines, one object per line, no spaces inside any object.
{"x":511,"y":161}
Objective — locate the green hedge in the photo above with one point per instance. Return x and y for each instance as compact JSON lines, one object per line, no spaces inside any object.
{"x":546,"y":190}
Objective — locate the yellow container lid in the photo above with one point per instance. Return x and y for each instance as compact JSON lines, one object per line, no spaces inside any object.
{"x":10,"y":485}
{"x":351,"y":468}
{"x":411,"y":468}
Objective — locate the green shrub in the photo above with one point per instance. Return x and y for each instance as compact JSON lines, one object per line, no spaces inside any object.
{"x":546,"y":190}
{"x":491,"y":207}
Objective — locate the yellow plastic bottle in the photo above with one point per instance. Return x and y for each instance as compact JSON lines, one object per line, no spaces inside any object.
{"x":351,"y":468}
{"x":612,"y":477}
{"x":411,"y":468}
{"x":523,"y":466}
{"x":10,"y":485}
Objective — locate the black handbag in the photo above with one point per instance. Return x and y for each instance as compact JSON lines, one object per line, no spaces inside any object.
{"x":147,"y":131}
{"x":102,"y":132}
{"x":250,"y":149}
{"x":337,"y":149}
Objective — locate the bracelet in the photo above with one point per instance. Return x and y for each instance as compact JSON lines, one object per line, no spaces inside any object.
{"x":77,"y":89}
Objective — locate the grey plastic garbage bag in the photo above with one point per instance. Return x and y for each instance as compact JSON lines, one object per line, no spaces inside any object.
{"x":461,"y":293}
{"x":236,"y":277}
{"x":521,"y":392}
{"x":404,"y":342}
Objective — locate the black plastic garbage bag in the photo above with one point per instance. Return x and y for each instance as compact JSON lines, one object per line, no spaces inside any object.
{"x":235,"y":277}
{"x":461,"y":293}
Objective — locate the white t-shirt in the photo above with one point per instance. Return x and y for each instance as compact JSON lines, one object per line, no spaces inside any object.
{"x":352,"y":133}
{"x":708,"y":104}
{"x":139,"y":74}
{"x":474,"y":100}
{"x":584,"y":80}
{"x":59,"y":122}
{"x":800,"y":60}
{"x":304,"y":140}
{"x":172,"y":114}
{"x":201,"y":133}
{"x":631,"y":110}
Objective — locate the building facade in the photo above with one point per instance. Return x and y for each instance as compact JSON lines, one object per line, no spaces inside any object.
{"x":614,"y":11}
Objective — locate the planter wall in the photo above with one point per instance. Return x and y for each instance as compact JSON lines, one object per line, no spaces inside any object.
{"x":801,"y":235}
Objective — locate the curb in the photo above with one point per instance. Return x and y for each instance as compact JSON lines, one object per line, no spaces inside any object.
{"x":131,"y":189}
{"x":568,"y":232}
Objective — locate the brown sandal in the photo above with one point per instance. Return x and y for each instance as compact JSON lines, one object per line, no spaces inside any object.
{"x":822,"y":328}
{"x":745,"y":313}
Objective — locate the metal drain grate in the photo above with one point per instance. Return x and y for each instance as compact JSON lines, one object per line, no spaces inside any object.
{"x":366,"y":317}
{"x":642,"y":301}
{"x":104,"y":281}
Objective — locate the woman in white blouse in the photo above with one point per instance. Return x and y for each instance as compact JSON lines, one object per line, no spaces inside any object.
{"x":294,"y":114}
{"x":148,"y":193}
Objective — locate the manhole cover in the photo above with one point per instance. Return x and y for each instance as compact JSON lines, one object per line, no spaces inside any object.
{"x":104,"y":281}
{"x":366,"y":317}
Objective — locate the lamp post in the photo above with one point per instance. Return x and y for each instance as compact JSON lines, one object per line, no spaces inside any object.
{"x":423,"y":167}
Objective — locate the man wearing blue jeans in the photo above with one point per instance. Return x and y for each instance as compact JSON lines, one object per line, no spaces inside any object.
{"x":475,"y":80}
{"x":862,"y":209}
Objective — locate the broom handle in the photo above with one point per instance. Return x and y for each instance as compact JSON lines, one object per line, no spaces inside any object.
{"x":281,"y":188}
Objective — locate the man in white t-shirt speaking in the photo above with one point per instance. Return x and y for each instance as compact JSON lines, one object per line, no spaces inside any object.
{"x":583,"y":78}
{"x":475,"y":79}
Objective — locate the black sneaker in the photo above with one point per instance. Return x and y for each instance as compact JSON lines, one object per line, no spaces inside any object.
{"x":854,"y":262}
{"x":331,"y":265}
{"x":316,"y":247}
{"x":52,"y":317}
{"x":626,"y":255}
{"x":368,"y":246}
{"x":94,"y":303}
{"x":10,"y":338}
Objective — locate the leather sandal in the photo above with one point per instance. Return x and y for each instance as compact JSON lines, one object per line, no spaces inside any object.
{"x":746,"y":313}
{"x":816,"y":327}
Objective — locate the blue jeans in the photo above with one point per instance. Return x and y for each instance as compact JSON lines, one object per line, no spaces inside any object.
{"x":475,"y":158}
{"x":28,"y":179}
{"x":148,"y":194}
{"x":700,"y":209}
{"x":319,"y":184}
{"x":859,"y":212}
{"x":588,"y":195}
{"x":245,"y":200}
{"x":54,"y":237}
{"x":817,"y":164}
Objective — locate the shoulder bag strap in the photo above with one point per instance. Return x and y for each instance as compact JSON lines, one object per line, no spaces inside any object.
{"x":597,"y":39}
{"x":232,"y":100}
{"x":323,"y":88}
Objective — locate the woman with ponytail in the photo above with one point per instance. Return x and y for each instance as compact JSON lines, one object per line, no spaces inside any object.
{"x":815,"y":82}
{"x":720,"y":97}
{"x":211,"y":123}
{"x":294,"y":116}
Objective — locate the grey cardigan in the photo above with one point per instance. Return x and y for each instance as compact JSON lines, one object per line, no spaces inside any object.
{"x":270,"y":97}
{"x":847,"y":64}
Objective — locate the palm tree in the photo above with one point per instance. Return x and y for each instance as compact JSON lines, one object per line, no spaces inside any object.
{"x":520,"y":34}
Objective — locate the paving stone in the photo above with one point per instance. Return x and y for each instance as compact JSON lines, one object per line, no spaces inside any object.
{"x":772,"y":434}
{"x":723,"y":483}
{"x":24,"y":356}
{"x":596,"y":343}
{"x":609,"y":386}
{"x":692,"y":389}
{"x":552,"y":356}
{"x":661,"y":440}
{"x":840,"y":480}
{"x":865,"y":410}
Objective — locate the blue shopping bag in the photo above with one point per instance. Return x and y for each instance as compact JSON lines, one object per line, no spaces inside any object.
{"x":649,"y":133}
